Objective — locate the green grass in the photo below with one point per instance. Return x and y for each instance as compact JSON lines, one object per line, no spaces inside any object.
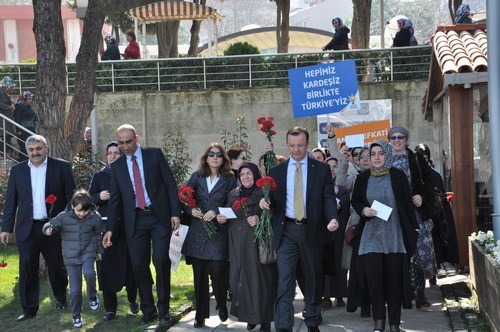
{"x":51,"y":319}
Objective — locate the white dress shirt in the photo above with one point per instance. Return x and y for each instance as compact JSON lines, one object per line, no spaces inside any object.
{"x":38,"y":176}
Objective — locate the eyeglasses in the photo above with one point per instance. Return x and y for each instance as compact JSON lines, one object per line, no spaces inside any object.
{"x":215,"y":154}
{"x":399,"y":138}
{"x":126,"y":142}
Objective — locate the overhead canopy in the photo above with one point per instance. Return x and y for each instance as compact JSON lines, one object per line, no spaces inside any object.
{"x":302,"y":40}
{"x":173,"y":10}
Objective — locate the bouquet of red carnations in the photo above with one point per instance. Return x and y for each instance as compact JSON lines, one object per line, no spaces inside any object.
{"x":186,"y":196}
{"x":241,"y":204}
{"x":264,"y":231}
{"x":266,"y":127}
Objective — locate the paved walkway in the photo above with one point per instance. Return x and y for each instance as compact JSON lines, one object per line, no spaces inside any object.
{"x":431,"y":319}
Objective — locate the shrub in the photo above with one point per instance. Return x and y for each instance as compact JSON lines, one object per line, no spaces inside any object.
{"x":175,"y":150}
{"x":241,"y":48}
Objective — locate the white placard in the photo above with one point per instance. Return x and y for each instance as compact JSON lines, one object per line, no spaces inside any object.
{"x":176,"y":242}
{"x":353,"y":141}
{"x":228,"y":212}
{"x":383,"y":211}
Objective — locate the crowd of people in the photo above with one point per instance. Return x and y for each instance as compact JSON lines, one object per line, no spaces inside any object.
{"x":112,"y":52}
{"x":324,"y":224}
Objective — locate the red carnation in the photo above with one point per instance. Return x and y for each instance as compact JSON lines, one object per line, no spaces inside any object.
{"x":450,"y":196}
{"x":51,"y":199}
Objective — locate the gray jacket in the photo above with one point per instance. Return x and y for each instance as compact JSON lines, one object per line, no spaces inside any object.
{"x":80,"y":239}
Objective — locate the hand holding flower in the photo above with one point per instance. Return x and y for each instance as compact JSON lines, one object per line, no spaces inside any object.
{"x":253,"y":220}
{"x":209,"y":215}
{"x":196,"y":212}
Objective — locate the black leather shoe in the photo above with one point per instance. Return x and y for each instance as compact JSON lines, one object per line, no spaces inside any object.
{"x":312,"y":329}
{"x":163,"y":320}
{"x":61,"y":305}
{"x":265,"y":327}
{"x":109,"y":316}
{"x":250,"y":327}
{"x":146,"y":319}
{"x":223,"y":314}
{"x":25,"y":316}
{"x":134,"y":308}
{"x":199,"y":323}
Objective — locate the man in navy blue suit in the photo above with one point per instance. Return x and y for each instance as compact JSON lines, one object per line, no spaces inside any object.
{"x":304,"y":215}
{"x":143,"y":201}
{"x":30,"y":183}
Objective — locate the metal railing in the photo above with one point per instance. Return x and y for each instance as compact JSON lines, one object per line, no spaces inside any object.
{"x":262,"y":70}
{"x":9,"y":149}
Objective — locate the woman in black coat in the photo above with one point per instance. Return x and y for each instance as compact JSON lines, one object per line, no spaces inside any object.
{"x":254,"y":284}
{"x":114,"y":270}
{"x":385,"y":246}
{"x":207,"y":253}
{"x":26,"y":117}
{"x":340,"y":40}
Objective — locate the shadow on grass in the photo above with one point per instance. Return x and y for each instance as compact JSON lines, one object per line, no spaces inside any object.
{"x":50,"y":319}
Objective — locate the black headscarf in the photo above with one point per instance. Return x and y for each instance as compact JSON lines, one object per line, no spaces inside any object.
{"x":244,"y":191}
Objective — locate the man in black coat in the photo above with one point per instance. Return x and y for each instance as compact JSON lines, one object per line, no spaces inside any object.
{"x":301,"y":230}
{"x":143,"y":196}
{"x":27,"y":205}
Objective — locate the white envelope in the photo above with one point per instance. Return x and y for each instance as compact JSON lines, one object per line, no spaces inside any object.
{"x":383,"y":211}
{"x":228,"y":212}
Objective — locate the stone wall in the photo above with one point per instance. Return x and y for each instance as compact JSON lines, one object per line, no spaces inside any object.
{"x":204,"y":113}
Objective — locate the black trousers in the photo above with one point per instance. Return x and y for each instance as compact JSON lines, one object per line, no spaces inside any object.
{"x":384,"y":280}
{"x":149,"y":233}
{"x":29,"y":260}
{"x":217,"y":271}
{"x":110,"y":299}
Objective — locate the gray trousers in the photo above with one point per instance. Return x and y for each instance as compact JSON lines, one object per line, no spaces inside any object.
{"x":75,"y":283}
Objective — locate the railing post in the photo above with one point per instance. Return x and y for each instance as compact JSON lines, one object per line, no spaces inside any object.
{"x":392,"y":68}
{"x":4,"y":143}
{"x":158,"y":71}
{"x":296,"y":62}
{"x":204,"y":74}
{"x":113,"y":77}
{"x":250,"y":71}
{"x":20,"y":81}
{"x":67,"y":80}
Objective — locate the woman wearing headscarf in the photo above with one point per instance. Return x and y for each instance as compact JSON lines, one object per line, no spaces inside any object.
{"x":419,"y":177}
{"x":112,"y":52}
{"x":444,"y":233}
{"x":132,"y":51}
{"x":26,"y":117}
{"x":403,"y":36}
{"x":253,"y":284}
{"x":335,"y":284}
{"x":208,"y":255}
{"x":114,"y":270}
{"x":340,"y":40}
{"x":385,"y":245}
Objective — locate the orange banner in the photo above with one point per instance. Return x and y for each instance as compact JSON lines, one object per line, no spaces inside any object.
{"x":373,"y":131}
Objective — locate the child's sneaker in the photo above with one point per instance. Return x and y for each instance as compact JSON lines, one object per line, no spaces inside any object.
{"x":77,"y":321}
{"x":94,"y":304}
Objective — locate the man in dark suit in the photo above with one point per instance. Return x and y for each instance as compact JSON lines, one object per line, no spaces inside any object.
{"x":143,"y":199}
{"x":30,"y":184}
{"x":304,"y":214}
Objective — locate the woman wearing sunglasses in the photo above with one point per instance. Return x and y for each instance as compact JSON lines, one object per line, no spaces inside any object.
{"x":423,"y":263}
{"x":212,"y":183}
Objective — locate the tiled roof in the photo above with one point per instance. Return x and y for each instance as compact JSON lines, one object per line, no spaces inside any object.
{"x":461,"y":51}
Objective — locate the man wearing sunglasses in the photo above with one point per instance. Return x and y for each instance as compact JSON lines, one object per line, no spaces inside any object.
{"x":143,"y":202}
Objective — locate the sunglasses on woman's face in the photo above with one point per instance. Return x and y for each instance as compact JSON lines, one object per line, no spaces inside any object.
{"x":215,"y":154}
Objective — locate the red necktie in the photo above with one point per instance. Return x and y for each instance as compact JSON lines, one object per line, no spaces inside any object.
{"x":139,"y":190}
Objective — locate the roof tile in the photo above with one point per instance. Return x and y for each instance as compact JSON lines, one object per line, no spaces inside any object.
{"x":461,"y":51}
